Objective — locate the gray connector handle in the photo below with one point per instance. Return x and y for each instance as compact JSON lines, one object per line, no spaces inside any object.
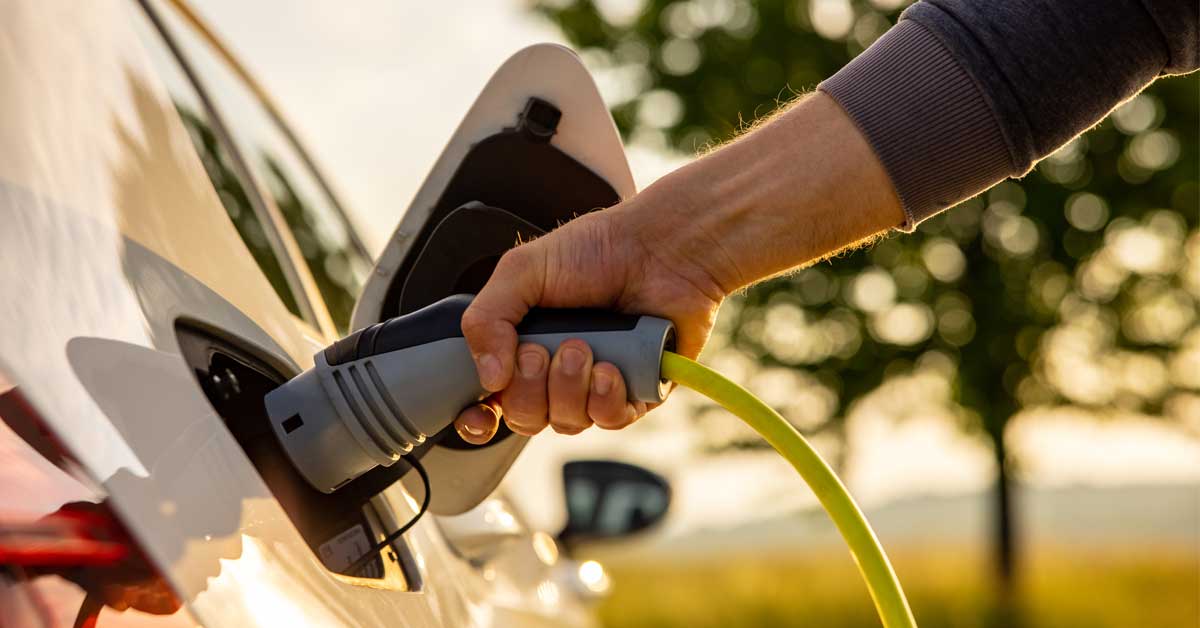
{"x":383,"y":390}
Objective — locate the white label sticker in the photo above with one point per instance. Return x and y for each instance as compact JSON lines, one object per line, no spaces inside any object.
{"x":342,"y":550}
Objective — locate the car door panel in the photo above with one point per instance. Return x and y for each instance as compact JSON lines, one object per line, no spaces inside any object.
{"x":198,"y":505}
{"x":115,"y":234}
{"x":120,"y":236}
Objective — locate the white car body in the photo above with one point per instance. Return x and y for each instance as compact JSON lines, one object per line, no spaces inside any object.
{"x":112,"y":236}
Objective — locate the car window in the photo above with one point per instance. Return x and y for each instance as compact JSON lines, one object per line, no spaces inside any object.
{"x":324,"y":237}
{"x":233,"y":189}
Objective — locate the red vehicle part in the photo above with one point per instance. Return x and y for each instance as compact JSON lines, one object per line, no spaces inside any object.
{"x":65,"y":557}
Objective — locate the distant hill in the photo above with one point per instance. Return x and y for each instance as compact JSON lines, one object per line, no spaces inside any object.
{"x":1125,"y":516}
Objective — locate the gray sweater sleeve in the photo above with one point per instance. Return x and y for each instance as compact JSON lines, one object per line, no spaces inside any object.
{"x":962,"y":94}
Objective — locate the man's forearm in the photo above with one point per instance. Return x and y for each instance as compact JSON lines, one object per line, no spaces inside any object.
{"x":798,"y":188}
{"x":962,"y":94}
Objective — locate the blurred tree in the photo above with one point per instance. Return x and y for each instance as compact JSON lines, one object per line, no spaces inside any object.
{"x":1078,"y":284}
{"x":335,"y":266}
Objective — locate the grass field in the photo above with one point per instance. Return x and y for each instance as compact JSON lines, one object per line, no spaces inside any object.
{"x":1061,"y":587}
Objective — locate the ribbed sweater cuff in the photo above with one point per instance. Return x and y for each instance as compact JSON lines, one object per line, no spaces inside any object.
{"x":926,"y":118}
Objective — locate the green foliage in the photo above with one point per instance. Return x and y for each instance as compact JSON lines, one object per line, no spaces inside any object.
{"x":1078,"y":284}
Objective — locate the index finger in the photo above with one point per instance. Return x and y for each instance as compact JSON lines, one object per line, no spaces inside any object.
{"x":490,"y":323}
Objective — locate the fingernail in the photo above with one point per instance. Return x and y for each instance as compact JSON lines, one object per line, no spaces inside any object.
{"x":572,"y":360}
{"x":474,"y":430}
{"x":489,"y":371}
{"x":630,"y":412}
{"x":601,"y":383}
{"x":530,"y":363}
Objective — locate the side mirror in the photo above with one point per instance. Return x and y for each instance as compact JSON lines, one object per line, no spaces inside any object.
{"x":607,"y":500}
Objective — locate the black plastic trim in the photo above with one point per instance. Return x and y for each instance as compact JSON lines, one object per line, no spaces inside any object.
{"x":566,"y":321}
{"x":443,"y":320}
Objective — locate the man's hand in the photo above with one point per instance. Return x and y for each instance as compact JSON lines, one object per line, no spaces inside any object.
{"x":798,"y":188}
{"x":608,"y":259}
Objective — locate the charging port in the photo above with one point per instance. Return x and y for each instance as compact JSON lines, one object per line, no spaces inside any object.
{"x":338,"y":526}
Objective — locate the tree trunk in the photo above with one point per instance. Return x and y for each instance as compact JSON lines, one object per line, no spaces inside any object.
{"x":1004,"y":539}
{"x":1005,"y":532}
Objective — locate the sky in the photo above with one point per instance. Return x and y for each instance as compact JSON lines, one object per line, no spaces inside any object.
{"x":377,"y":91}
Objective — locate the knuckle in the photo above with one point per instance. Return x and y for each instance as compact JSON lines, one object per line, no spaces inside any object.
{"x":567,"y":430}
{"x":530,"y":428}
{"x":609,"y":416}
{"x":524,"y":401}
{"x":615,"y":424}
{"x":475,"y":321}
{"x":526,"y":413}
{"x":514,"y":261}
{"x":571,"y":422}
{"x":609,"y":420}
{"x":603,"y":413}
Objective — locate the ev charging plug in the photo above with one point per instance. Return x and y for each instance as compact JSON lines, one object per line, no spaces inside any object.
{"x":377,"y":393}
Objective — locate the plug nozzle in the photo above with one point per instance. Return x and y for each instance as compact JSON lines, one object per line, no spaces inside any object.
{"x":378,"y":393}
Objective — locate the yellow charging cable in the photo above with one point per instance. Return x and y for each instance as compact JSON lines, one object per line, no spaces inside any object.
{"x":864,"y":547}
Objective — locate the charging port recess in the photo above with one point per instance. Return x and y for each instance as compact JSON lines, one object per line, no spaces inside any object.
{"x":333,"y":525}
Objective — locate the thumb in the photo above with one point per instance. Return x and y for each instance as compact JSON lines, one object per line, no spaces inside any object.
{"x":489,"y":323}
